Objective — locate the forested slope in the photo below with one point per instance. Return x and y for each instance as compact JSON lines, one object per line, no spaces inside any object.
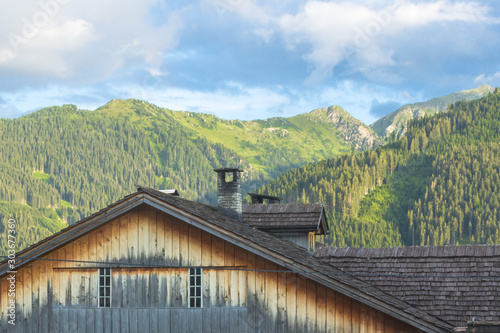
{"x":61,"y":164}
{"x":437,"y":185}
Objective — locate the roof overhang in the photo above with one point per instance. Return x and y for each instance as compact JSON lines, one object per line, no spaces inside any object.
{"x":360,"y":293}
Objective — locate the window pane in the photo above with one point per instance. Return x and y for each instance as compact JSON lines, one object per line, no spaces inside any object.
{"x":198,"y":302}
{"x":108,"y":303}
{"x":198,"y":280}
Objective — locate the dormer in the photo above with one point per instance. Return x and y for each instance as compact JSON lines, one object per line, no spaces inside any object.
{"x":297,"y":223}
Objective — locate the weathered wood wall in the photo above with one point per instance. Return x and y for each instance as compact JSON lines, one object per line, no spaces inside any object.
{"x":239,"y":293}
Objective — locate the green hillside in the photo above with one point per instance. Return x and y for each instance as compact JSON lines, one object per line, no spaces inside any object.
{"x":396,"y":121}
{"x":61,"y":164}
{"x":437,"y":185}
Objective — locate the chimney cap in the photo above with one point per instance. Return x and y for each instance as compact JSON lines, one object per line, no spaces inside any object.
{"x":264,"y":196}
{"x":171,"y":192}
{"x":228,"y":170}
{"x":259,"y":198}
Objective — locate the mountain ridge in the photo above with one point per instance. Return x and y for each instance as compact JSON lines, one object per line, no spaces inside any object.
{"x":437,"y":185}
{"x":79,"y":161}
{"x":395,"y":122}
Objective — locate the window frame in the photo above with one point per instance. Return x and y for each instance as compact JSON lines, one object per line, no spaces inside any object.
{"x":104,"y":272}
{"x":194,"y":274}
{"x":311,"y":240}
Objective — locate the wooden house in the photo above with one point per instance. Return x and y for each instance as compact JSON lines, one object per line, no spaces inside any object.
{"x":155,"y":262}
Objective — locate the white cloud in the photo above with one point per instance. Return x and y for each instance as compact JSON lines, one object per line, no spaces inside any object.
{"x":44,"y":51}
{"x":364,"y":33}
{"x":84,"y":41}
{"x":488,"y":79}
{"x":419,"y":14}
{"x":236,"y":101}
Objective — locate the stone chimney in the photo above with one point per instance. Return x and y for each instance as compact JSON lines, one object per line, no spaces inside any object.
{"x":229,"y":191}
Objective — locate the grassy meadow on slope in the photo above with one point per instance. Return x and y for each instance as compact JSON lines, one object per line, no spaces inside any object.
{"x":438,"y":185}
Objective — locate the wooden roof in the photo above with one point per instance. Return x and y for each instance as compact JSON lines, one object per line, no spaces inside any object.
{"x":286,"y":217}
{"x":455,"y":283}
{"x":282,"y":252}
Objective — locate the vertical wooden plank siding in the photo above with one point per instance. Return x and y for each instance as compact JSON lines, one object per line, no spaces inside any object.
{"x":320,"y":308}
{"x":291,"y":301}
{"x":260,"y":301}
{"x":143,"y":233}
{"x":160,"y":237}
{"x":44,"y":282}
{"x":242,"y":292}
{"x":339,"y":312}
{"x":133,"y":236}
{"x":228,"y":289}
{"x":281,"y":318}
{"x":271,"y":287}
{"x":301,"y":319}
{"x":355,"y":316}
{"x":330,"y":310}
{"x":251,"y":292}
{"x":168,"y":238}
{"x":175,"y":242}
{"x":241,"y":262}
{"x":27,"y":292}
{"x":388,"y":324}
{"x":123,"y":237}
{"x":19,"y":297}
{"x":195,"y":245}
{"x":347,"y":314}
{"x":217,"y":277}
{"x":363,"y":322}
{"x":311,"y":305}
{"x":183,"y":244}
{"x":152,"y":239}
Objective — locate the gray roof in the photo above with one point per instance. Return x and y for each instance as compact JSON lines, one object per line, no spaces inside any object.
{"x":287,"y":254}
{"x":454,"y":283}
{"x":286,"y":217}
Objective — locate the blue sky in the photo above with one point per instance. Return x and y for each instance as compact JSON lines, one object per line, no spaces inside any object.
{"x":245,"y":59}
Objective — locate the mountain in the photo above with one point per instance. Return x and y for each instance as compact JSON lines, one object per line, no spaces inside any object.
{"x":437,"y":185}
{"x":396,"y":121}
{"x":60,"y":164}
{"x":354,"y":131}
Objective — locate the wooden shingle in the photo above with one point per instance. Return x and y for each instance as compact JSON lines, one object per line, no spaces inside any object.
{"x":454,"y":283}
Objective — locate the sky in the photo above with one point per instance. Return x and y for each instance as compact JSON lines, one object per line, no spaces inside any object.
{"x":245,"y":59}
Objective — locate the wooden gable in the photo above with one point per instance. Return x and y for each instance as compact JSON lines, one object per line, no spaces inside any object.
{"x":149,"y":253}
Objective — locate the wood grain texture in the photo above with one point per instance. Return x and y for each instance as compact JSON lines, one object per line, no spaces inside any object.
{"x":62,"y":295}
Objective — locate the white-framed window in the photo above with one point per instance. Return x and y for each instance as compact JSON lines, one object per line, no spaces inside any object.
{"x":195,"y":295}
{"x":104,"y":287}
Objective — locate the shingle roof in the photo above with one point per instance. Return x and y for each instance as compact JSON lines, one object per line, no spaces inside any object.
{"x":455,"y":283}
{"x":296,"y":253}
{"x":305,"y":217}
{"x":299,"y":259}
